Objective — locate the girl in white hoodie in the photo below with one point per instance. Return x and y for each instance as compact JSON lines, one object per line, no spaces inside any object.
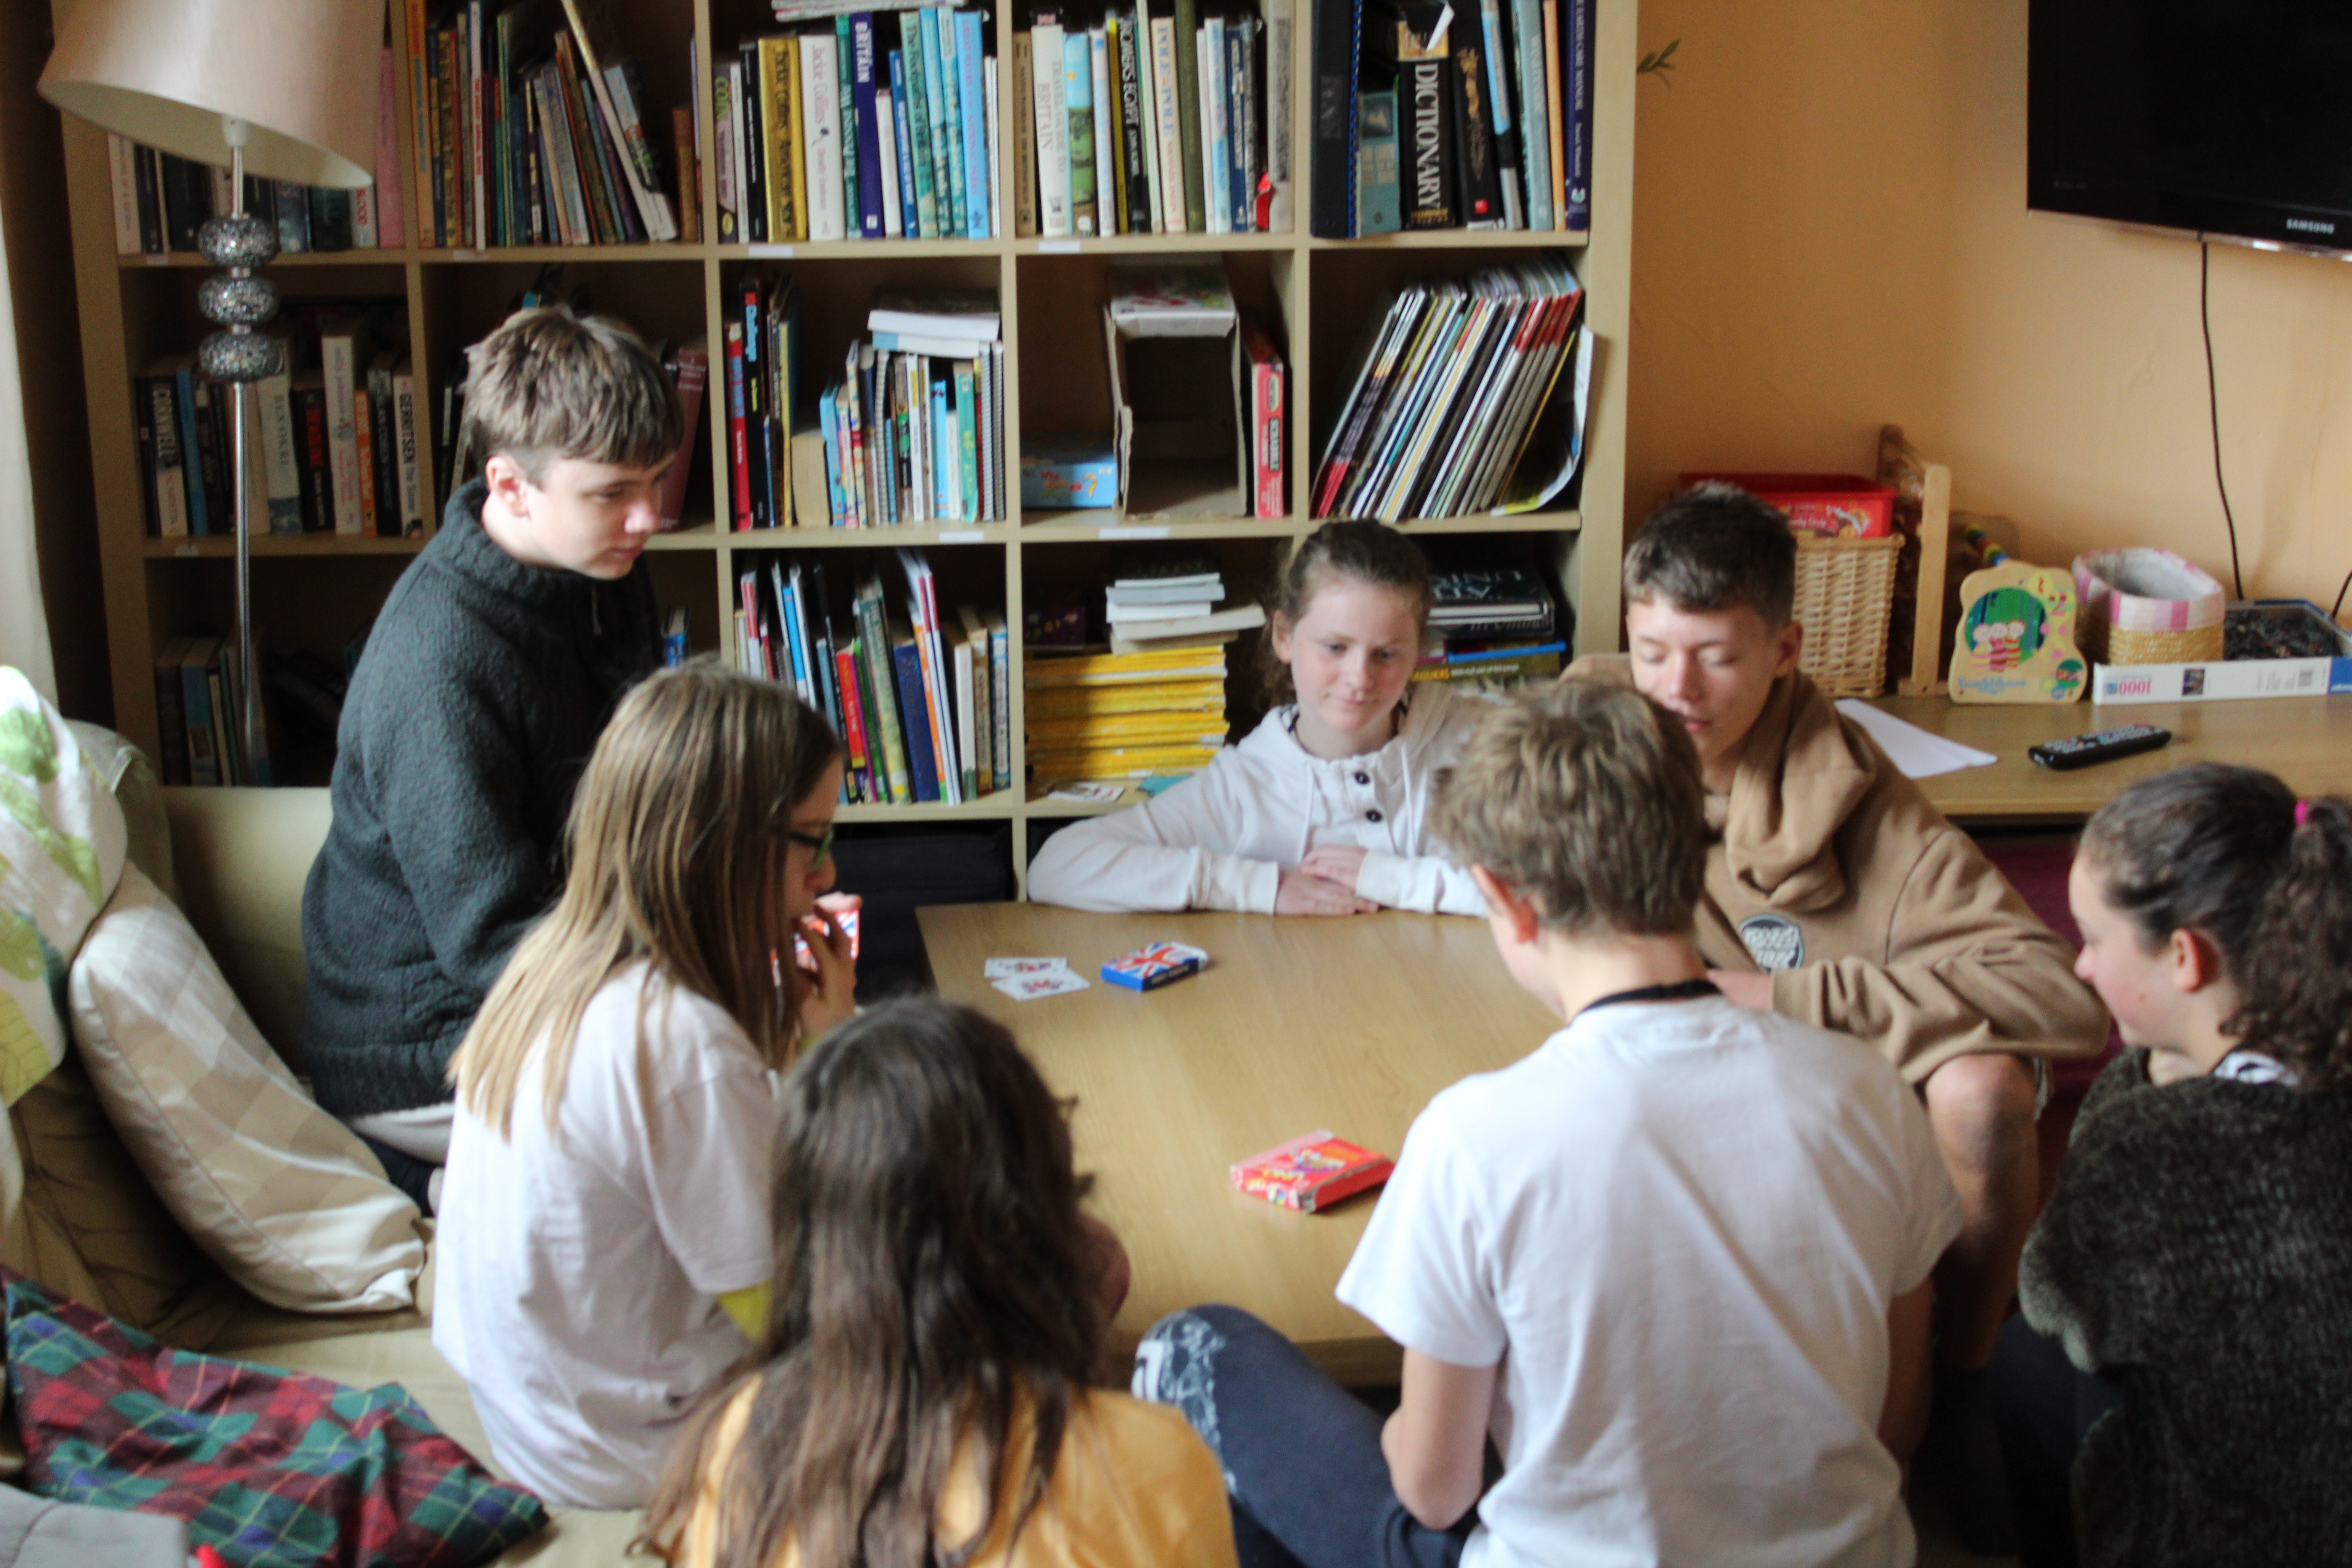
{"x":1321,"y":809}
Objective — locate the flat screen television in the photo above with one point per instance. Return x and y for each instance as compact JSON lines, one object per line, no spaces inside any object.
{"x":2232,"y":118}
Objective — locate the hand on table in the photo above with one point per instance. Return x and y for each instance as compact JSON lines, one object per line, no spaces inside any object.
{"x":1340,"y":863}
{"x":828,"y":972}
{"x":1302,"y":893}
{"x":1748,"y":990}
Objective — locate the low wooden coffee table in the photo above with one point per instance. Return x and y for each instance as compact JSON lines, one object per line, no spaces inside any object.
{"x":1297,"y":1025}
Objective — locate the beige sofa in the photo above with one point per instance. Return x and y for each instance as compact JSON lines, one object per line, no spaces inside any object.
{"x":89,"y":1226}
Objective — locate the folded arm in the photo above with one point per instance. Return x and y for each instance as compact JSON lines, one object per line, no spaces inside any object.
{"x":1968,"y":968}
{"x":1155,"y":855}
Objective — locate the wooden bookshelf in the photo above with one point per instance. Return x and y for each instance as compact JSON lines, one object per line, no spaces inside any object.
{"x":319,"y":590}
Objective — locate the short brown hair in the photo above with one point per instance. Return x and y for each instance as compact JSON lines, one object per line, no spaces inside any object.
{"x":550,"y":384}
{"x":1586,"y":799}
{"x":1713,"y":547}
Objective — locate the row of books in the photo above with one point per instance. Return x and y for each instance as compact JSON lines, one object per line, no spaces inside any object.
{"x":199,"y":714}
{"x":526,"y":136}
{"x":1135,"y":123}
{"x":1452,"y":382}
{"x":922,"y":704}
{"x":161,"y":200}
{"x":1478,"y":116}
{"x":333,"y":437}
{"x":1156,"y":604}
{"x":876,"y":125}
{"x":913,"y":429}
{"x":1096,"y":715}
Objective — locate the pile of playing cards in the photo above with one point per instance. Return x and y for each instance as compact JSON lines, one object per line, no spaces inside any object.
{"x":1026,"y":979}
{"x":1148,"y":968}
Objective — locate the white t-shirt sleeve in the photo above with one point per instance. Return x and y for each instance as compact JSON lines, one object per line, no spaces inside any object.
{"x":708,"y":1175}
{"x":1430,"y":884}
{"x":1932,"y":1204}
{"x":1423,"y":1271}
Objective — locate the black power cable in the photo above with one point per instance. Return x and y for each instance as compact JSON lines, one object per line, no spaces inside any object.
{"x":2213,"y":404}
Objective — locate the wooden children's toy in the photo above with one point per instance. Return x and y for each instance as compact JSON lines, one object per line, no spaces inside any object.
{"x":2016,"y":641}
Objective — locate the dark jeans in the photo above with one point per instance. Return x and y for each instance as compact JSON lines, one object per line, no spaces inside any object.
{"x":2042,"y":1406}
{"x":1302,"y":1457}
{"x":407,"y":1172}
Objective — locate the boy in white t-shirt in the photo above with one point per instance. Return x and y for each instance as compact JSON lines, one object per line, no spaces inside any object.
{"x":1675,"y":1262}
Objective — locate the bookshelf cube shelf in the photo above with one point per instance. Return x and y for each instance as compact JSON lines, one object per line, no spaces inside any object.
{"x":316,"y":592}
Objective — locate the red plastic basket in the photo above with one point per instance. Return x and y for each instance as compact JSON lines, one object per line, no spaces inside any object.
{"x":1831,"y":506}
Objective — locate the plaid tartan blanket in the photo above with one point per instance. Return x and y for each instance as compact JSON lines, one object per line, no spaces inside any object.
{"x":273,"y":1469}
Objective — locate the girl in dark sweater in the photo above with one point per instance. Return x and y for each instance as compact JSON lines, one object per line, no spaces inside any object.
{"x":2195,"y":1264}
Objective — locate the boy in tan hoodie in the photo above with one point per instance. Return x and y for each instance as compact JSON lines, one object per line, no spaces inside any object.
{"x":1837,"y":895}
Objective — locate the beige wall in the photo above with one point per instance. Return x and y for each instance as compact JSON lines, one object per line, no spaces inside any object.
{"x":1830,"y":233}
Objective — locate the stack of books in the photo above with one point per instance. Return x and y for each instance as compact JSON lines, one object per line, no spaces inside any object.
{"x":332,"y":438}
{"x":527,"y":136}
{"x":1476,"y":116}
{"x":1451,"y":384}
{"x":913,"y":431}
{"x":1128,"y":122}
{"x":1492,"y":626}
{"x":872,"y":124}
{"x":161,"y":200}
{"x":922,"y":703}
{"x":1153,"y":606}
{"x":1106,"y":716}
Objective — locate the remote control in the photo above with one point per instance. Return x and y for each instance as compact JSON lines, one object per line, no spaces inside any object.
{"x":2100,"y":746}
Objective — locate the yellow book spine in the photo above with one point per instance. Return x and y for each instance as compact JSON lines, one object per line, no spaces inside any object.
{"x":780,"y":115}
{"x":1206,"y":697}
{"x":1189,"y":730}
{"x":800,"y":145}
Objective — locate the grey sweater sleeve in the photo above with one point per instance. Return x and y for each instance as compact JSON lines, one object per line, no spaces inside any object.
{"x":2092,"y":1271}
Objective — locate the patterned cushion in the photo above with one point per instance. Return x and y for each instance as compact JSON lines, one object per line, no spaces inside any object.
{"x":279,"y":1192}
{"x":61,"y":852}
{"x":271,"y":1469}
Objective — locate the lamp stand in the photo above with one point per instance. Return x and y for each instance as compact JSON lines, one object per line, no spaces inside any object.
{"x":238,"y":356}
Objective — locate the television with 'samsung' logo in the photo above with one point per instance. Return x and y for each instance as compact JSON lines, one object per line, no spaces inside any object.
{"x":2230,"y":120}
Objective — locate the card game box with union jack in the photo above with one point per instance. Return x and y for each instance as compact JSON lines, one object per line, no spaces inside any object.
{"x":1149,"y":968}
{"x":1311,"y":1173}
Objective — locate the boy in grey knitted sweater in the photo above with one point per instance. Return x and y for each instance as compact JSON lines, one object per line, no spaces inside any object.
{"x":487,"y":677}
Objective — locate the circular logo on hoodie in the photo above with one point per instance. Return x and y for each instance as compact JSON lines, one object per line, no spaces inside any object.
{"x":1774,"y":941}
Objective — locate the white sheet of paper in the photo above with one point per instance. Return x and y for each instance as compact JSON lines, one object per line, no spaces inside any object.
{"x":1916,"y":751}
{"x":1092,"y":792}
{"x":1014,"y":968}
{"x":1029,"y":987}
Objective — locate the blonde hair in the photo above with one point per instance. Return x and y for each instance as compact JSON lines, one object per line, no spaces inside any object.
{"x":676,"y":853}
{"x":1586,"y":800}
{"x":550,"y":384}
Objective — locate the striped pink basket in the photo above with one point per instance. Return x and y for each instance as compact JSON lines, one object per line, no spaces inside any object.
{"x":2147,"y":606}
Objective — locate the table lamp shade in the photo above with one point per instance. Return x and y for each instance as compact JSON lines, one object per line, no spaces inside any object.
{"x":304,"y":75}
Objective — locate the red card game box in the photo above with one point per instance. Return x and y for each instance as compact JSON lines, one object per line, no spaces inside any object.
{"x":1312,"y":1172}
{"x":1149,"y":968}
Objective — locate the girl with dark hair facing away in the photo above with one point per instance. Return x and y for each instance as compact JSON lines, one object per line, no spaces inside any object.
{"x":2195,"y":1263}
{"x":920,"y":1394}
{"x":1323,"y":808}
{"x":605,"y":1220}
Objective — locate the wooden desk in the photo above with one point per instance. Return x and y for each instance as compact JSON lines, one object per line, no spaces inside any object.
{"x":2307,"y":741}
{"x":1351,"y":1025}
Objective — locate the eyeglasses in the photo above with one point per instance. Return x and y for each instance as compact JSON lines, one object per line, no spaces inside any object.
{"x":818,"y":844}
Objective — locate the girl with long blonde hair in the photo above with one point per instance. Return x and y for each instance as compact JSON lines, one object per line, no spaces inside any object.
{"x":607,"y":1185}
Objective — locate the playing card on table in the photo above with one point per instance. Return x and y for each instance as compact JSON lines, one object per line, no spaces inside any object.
{"x":1029,"y":987}
{"x":1013,"y":968}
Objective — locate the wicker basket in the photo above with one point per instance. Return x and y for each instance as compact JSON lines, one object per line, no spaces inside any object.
{"x":2147,"y":606}
{"x":1846,"y":592}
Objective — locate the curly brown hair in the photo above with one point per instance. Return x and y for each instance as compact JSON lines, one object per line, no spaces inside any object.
{"x":2229,"y":852}
{"x":933,"y":1283}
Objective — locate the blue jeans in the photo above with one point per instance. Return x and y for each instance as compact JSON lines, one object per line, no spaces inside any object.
{"x":1303,"y":1470}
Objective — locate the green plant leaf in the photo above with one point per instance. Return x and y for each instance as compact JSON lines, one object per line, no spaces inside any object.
{"x":1660,"y":63}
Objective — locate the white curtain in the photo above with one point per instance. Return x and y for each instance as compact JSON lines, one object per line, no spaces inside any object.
{"x":23,"y":628}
